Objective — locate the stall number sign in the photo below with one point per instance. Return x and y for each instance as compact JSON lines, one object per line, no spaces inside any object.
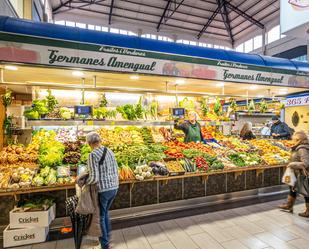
{"x":297,"y":101}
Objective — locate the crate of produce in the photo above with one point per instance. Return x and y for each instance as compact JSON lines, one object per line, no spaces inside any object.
{"x":24,"y":236}
{"x":174,"y":167}
{"x":37,"y":213}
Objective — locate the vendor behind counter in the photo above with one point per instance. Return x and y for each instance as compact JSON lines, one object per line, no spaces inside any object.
{"x":191,"y":128}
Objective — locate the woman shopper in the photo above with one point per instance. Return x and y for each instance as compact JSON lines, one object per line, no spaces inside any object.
{"x":246,"y":132}
{"x":103,"y":170}
{"x":299,"y":163}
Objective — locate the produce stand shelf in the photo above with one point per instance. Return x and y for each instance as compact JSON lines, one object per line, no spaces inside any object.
{"x":158,"y":189}
{"x":156,"y":178}
{"x":96,"y":123}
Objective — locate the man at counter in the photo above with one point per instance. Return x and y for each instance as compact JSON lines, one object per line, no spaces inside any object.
{"x":280,"y":130}
{"x":191,"y":128}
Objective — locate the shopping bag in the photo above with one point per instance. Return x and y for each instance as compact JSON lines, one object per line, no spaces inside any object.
{"x":289,"y":177}
{"x":85,"y":204}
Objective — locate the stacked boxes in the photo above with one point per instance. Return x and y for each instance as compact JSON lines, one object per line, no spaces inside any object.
{"x":28,"y":227}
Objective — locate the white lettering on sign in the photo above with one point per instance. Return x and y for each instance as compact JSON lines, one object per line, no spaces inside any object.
{"x":297,"y":101}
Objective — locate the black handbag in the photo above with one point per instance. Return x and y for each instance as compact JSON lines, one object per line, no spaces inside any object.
{"x":303,"y":184}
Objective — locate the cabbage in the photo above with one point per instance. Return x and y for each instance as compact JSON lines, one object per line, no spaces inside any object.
{"x":45,"y":171}
{"x":38,"y":181}
{"x":51,"y":179}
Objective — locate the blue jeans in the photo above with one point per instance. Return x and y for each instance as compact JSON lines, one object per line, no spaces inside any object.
{"x":105,"y":201}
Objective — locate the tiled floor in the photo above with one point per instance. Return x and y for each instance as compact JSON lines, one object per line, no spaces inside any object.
{"x":256,"y":227}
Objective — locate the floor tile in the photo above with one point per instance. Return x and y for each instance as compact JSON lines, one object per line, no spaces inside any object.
{"x":154,"y":233}
{"x":299,"y":243}
{"x":47,"y":245}
{"x":178,"y":237}
{"x":205,"y":241}
{"x":188,"y":225}
{"x":163,"y":245}
{"x":135,"y":238}
{"x":66,"y":243}
{"x":273,"y":241}
{"x":234,"y":244}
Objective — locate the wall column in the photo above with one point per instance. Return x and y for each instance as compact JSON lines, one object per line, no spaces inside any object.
{"x":28,"y":9}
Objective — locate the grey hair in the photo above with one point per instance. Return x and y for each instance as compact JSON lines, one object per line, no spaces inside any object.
{"x":93,"y":138}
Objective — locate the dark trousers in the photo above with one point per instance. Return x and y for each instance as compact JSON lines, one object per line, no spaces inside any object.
{"x":105,"y":201}
{"x":294,"y":194}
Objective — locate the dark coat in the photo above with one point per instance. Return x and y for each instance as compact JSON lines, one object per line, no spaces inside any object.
{"x":300,"y":157}
{"x":282,"y":129}
{"x":185,"y":128}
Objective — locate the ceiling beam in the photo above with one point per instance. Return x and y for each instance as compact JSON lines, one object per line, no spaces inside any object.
{"x":111,"y":12}
{"x":176,"y":6}
{"x":163,"y":14}
{"x":243,"y":14}
{"x":62,"y":4}
{"x":208,"y":22}
{"x":226,"y":20}
{"x":147,"y":21}
{"x":72,"y":7}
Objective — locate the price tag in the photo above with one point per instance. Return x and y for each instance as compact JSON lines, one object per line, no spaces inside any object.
{"x":218,"y":123}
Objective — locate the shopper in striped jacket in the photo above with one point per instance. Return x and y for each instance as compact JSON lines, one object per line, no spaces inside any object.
{"x":103,"y":170}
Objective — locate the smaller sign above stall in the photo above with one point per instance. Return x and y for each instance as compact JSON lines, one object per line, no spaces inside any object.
{"x":297,"y":101}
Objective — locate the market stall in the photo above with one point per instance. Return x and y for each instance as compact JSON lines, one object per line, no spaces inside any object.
{"x":130,"y":91}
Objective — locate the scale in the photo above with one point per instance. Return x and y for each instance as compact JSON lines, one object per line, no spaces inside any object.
{"x":84,"y":111}
{"x":178,"y":113}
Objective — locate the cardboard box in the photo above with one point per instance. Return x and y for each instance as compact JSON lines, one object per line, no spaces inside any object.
{"x":24,"y":236}
{"x":32,"y":219}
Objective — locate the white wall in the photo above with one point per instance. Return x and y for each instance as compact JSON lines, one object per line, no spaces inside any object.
{"x":6,"y":9}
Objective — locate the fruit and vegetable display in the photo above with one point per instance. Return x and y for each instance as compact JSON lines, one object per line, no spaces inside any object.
{"x":141,"y":153}
{"x":243,"y":159}
{"x":174,"y":167}
{"x":143,"y":172}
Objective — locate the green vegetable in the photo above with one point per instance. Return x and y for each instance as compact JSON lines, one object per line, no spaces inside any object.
{"x":85,"y":151}
{"x":263,"y":106}
{"x":51,"y":179}
{"x":38,"y":180}
{"x":103,"y":101}
{"x":7,"y":98}
{"x":45,"y":172}
{"x":100,"y":112}
{"x":154,"y":109}
{"x":40,"y":106}
{"x":204,"y":106}
{"x":31,"y":114}
{"x":139,"y":111}
{"x":237,"y":160}
{"x":233,"y":105}
{"x":127,"y":111}
{"x":251,"y":106}
{"x":218,"y":107}
{"x":192,"y":153}
{"x":51,"y":101}
{"x":65,"y":113}
{"x":187,"y":104}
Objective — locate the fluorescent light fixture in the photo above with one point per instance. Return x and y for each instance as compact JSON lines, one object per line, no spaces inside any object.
{"x":78,"y":73}
{"x":134,"y":77}
{"x":180,"y":81}
{"x":221,"y":84}
{"x":261,"y":96}
{"x":253,"y":87}
{"x":10,"y":67}
{"x":283,"y":91}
